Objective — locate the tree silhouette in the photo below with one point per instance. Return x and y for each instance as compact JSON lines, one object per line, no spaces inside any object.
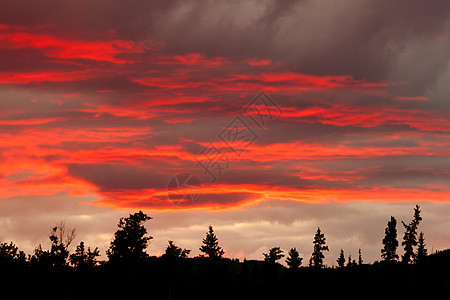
{"x":360,"y":260}
{"x":64,"y":236}
{"x":57,"y":256}
{"x":294,"y":261}
{"x":174,"y":251}
{"x":41,"y":258}
{"x":59,"y":252}
{"x":10,"y":255}
{"x":274,"y":254}
{"x":211,"y":245}
{"x":349,"y":261}
{"x":410,"y":237}
{"x":421,"y":250}
{"x":341,"y":259}
{"x":389,"y":251}
{"x":317,"y":256}
{"x":84,"y":260}
{"x":130,"y":242}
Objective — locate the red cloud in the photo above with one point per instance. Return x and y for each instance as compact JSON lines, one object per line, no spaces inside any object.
{"x":114,"y":51}
{"x":149,"y":124}
{"x":259,"y":62}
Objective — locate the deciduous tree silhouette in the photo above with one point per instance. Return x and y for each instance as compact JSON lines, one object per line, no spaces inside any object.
{"x":64,"y":236}
{"x":130,"y":242}
{"x":294,"y":261}
{"x":274,"y":254}
{"x":360,"y":260}
{"x":410,"y":237}
{"x":341,"y":259}
{"x":317,"y":256}
{"x":57,"y":256}
{"x":211,"y":245}
{"x":422,"y":252}
{"x":174,"y":251}
{"x":59,"y":251}
{"x":389,"y":251}
{"x":84,"y":260}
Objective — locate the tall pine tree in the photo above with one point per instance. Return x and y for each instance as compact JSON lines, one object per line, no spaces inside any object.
{"x":360,"y":260}
{"x":211,"y":245}
{"x":389,"y":251}
{"x":317,"y":256}
{"x":410,"y":237}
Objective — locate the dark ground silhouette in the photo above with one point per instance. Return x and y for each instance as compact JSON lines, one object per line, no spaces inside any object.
{"x":130,"y":273}
{"x":205,"y":278}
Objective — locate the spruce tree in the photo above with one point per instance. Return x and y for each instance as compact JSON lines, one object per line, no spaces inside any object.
{"x":410,"y":237}
{"x":317,"y":256}
{"x":360,"y":260}
{"x":349,"y":262}
{"x":294,"y":261}
{"x":341,"y":259}
{"x":211,"y":245}
{"x":422,"y":252}
{"x":389,"y":251}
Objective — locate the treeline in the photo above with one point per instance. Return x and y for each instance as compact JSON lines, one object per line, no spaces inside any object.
{"x":131,"y":273}
{"x":131,"y":240}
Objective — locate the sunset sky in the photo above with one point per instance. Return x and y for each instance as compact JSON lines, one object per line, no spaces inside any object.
{"x":103,"y":102}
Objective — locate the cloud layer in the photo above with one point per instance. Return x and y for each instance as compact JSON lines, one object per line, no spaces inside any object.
{"x":101,"y":104}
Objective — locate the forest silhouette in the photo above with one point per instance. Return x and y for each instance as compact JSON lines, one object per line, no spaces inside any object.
{"x":131,"y":273}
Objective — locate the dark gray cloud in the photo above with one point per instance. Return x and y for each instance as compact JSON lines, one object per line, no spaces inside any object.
{"x":132,"y":19}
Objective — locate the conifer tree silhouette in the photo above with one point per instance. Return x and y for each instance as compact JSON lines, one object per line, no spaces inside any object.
{"x":211,"y":245}
{"x":130,"y":242}
{"x":274,"y":254}
{"x":410,"y":237}
{"x":389,"y":251}
{"x":422,"y":252}
{"x":84,"y":260}
{"x":360,"y":260}
{"x":294,"y":261}
{"x":173,"y":250}
{"x":341,"y":259}
{"x":317,"y":256}
{"x":349,"y":261}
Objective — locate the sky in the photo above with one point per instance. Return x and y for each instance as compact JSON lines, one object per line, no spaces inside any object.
{"x":285,"y":115}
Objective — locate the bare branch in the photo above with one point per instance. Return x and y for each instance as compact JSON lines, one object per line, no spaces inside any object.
{"x":64,"y":237}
